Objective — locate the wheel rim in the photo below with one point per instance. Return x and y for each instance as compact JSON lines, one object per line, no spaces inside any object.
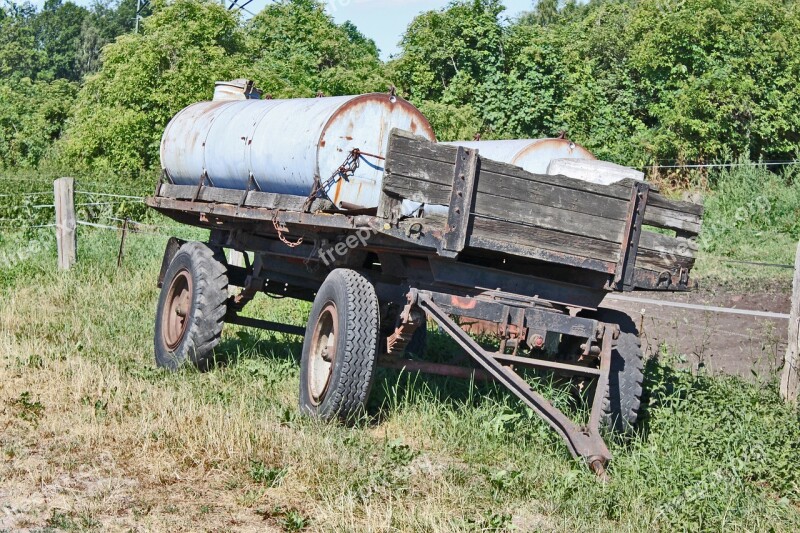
{"x":323,"y":353}
{"x":175,"y":318}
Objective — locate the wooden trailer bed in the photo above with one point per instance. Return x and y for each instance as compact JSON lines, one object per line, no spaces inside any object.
{"x":552,"y":219}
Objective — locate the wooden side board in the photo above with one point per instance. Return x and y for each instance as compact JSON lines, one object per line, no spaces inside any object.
{"x":542,"y":217}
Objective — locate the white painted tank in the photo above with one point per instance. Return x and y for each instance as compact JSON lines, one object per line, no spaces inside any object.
{"x":287,"y":144}
{"x":532,"y":155}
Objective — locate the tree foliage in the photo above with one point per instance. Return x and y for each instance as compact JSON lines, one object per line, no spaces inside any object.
{"x":146,"y":78}
{"x":636,"y":81}
{"x":32,"y":117}
{"x":290,"y":49}
{"x":296,"y":50}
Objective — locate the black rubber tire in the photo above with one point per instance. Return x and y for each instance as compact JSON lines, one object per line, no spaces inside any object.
{"x":356,"y":345}
{"x":208,"y":272}
{"x":622,"y":404}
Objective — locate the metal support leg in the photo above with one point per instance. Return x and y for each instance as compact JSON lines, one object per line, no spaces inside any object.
{"x":583,"y":442}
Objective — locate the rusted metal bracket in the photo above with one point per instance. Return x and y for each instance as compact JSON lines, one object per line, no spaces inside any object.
{"x":462,"y":198}
{"x":203,"y":179}
{"x":411,"y":319}
{"x":254,"y":284}
{"x":626,"y":267}
{"x":252,"y":185}
{"x":583,"y":442}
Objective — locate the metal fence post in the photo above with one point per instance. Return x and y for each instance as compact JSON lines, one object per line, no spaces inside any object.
{"x":790,"y":381}
{"x":66,"y":236}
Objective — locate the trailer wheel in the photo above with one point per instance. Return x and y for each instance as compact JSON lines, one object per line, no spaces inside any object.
{"x":191,"y":308}
{"x":621,"y":405}
{"x":340,"y":347}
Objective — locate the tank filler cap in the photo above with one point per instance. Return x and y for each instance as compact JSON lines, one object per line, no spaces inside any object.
{"x":240,"y":89}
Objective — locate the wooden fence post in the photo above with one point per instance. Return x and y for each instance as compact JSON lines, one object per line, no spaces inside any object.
{"x":66,"y":236}
{"x":790,"y":381}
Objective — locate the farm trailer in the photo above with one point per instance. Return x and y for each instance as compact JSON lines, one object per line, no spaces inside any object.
{"x":534,"y":255}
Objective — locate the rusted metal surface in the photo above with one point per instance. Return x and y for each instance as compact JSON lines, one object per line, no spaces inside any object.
{"x":277,"y":327}
{"x":175,"y":316}
{"x":288,"y":146}
{"x":438,"y":369}
{"x":583,"y":442}
{"x":533,"y":155}
{"x":411,"y":319}
{"x":323,"y":353}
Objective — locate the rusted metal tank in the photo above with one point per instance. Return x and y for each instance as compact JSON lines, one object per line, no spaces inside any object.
{"x":532,"y":155}
{"x":288,"y":146}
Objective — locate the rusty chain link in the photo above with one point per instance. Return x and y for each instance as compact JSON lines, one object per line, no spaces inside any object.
{"x":281,"y":231}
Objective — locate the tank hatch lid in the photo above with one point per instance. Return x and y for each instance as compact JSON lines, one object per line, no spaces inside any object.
{"x":239,"y":89}
{"x":600,"y":172}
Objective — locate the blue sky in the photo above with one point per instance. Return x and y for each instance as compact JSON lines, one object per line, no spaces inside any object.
{"x":384,"y":21}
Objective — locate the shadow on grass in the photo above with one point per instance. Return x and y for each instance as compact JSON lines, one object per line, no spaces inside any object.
{"x":395,"y":389}
{"x":266,"y":346}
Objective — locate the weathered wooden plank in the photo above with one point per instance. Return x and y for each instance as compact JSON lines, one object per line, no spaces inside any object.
{"x":66,"y":222}
{"x":672,"y":220}
{"x":495,"y":235}
{"x":462,"y":196}
{"x":689,"y":208}
{"x":516,"y":206}
{"x":232,"y":196}
{"x":573,"y":223}
{"x":408,"y":145}
{"x":417,"y":147}
{"x":790,"y":379}
{"x":665,"y":245}
{"x":649,"y":241}
{"x":538,"y":216}
{"x":422,"y":179}
{"x":428,"y":176}
{"x":417,"y":190}
{"x":539,"y":254}
{"x":487,"y":230}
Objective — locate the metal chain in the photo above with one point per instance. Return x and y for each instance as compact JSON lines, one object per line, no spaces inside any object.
{"x":345,"y":171}
{"x":281,"y":231}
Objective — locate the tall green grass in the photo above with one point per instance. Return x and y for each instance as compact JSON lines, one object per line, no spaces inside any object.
{"x":752,"y":214}
{"x":435,"y":454}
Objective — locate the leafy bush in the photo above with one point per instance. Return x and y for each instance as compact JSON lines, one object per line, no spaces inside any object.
{"x":32,"y":118}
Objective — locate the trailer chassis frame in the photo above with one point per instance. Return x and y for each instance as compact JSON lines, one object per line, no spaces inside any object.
{"x":420,"y":281}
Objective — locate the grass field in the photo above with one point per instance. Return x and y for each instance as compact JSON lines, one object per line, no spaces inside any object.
{"x":96,"y":438}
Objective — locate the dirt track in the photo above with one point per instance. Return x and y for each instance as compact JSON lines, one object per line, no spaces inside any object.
{"x":720,"y":343}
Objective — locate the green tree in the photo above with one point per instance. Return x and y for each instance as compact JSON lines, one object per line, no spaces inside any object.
{"x":58,"y":32}
{"x":297,"y":49}
{"x":32,"y":118}
{"x":19,"y":56}
{"x":447,"y":54}
{"x":106,"y":22}
{"x":146,"y":78}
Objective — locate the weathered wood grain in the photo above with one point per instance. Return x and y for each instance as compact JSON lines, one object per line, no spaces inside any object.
{"x":790,"y":379}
